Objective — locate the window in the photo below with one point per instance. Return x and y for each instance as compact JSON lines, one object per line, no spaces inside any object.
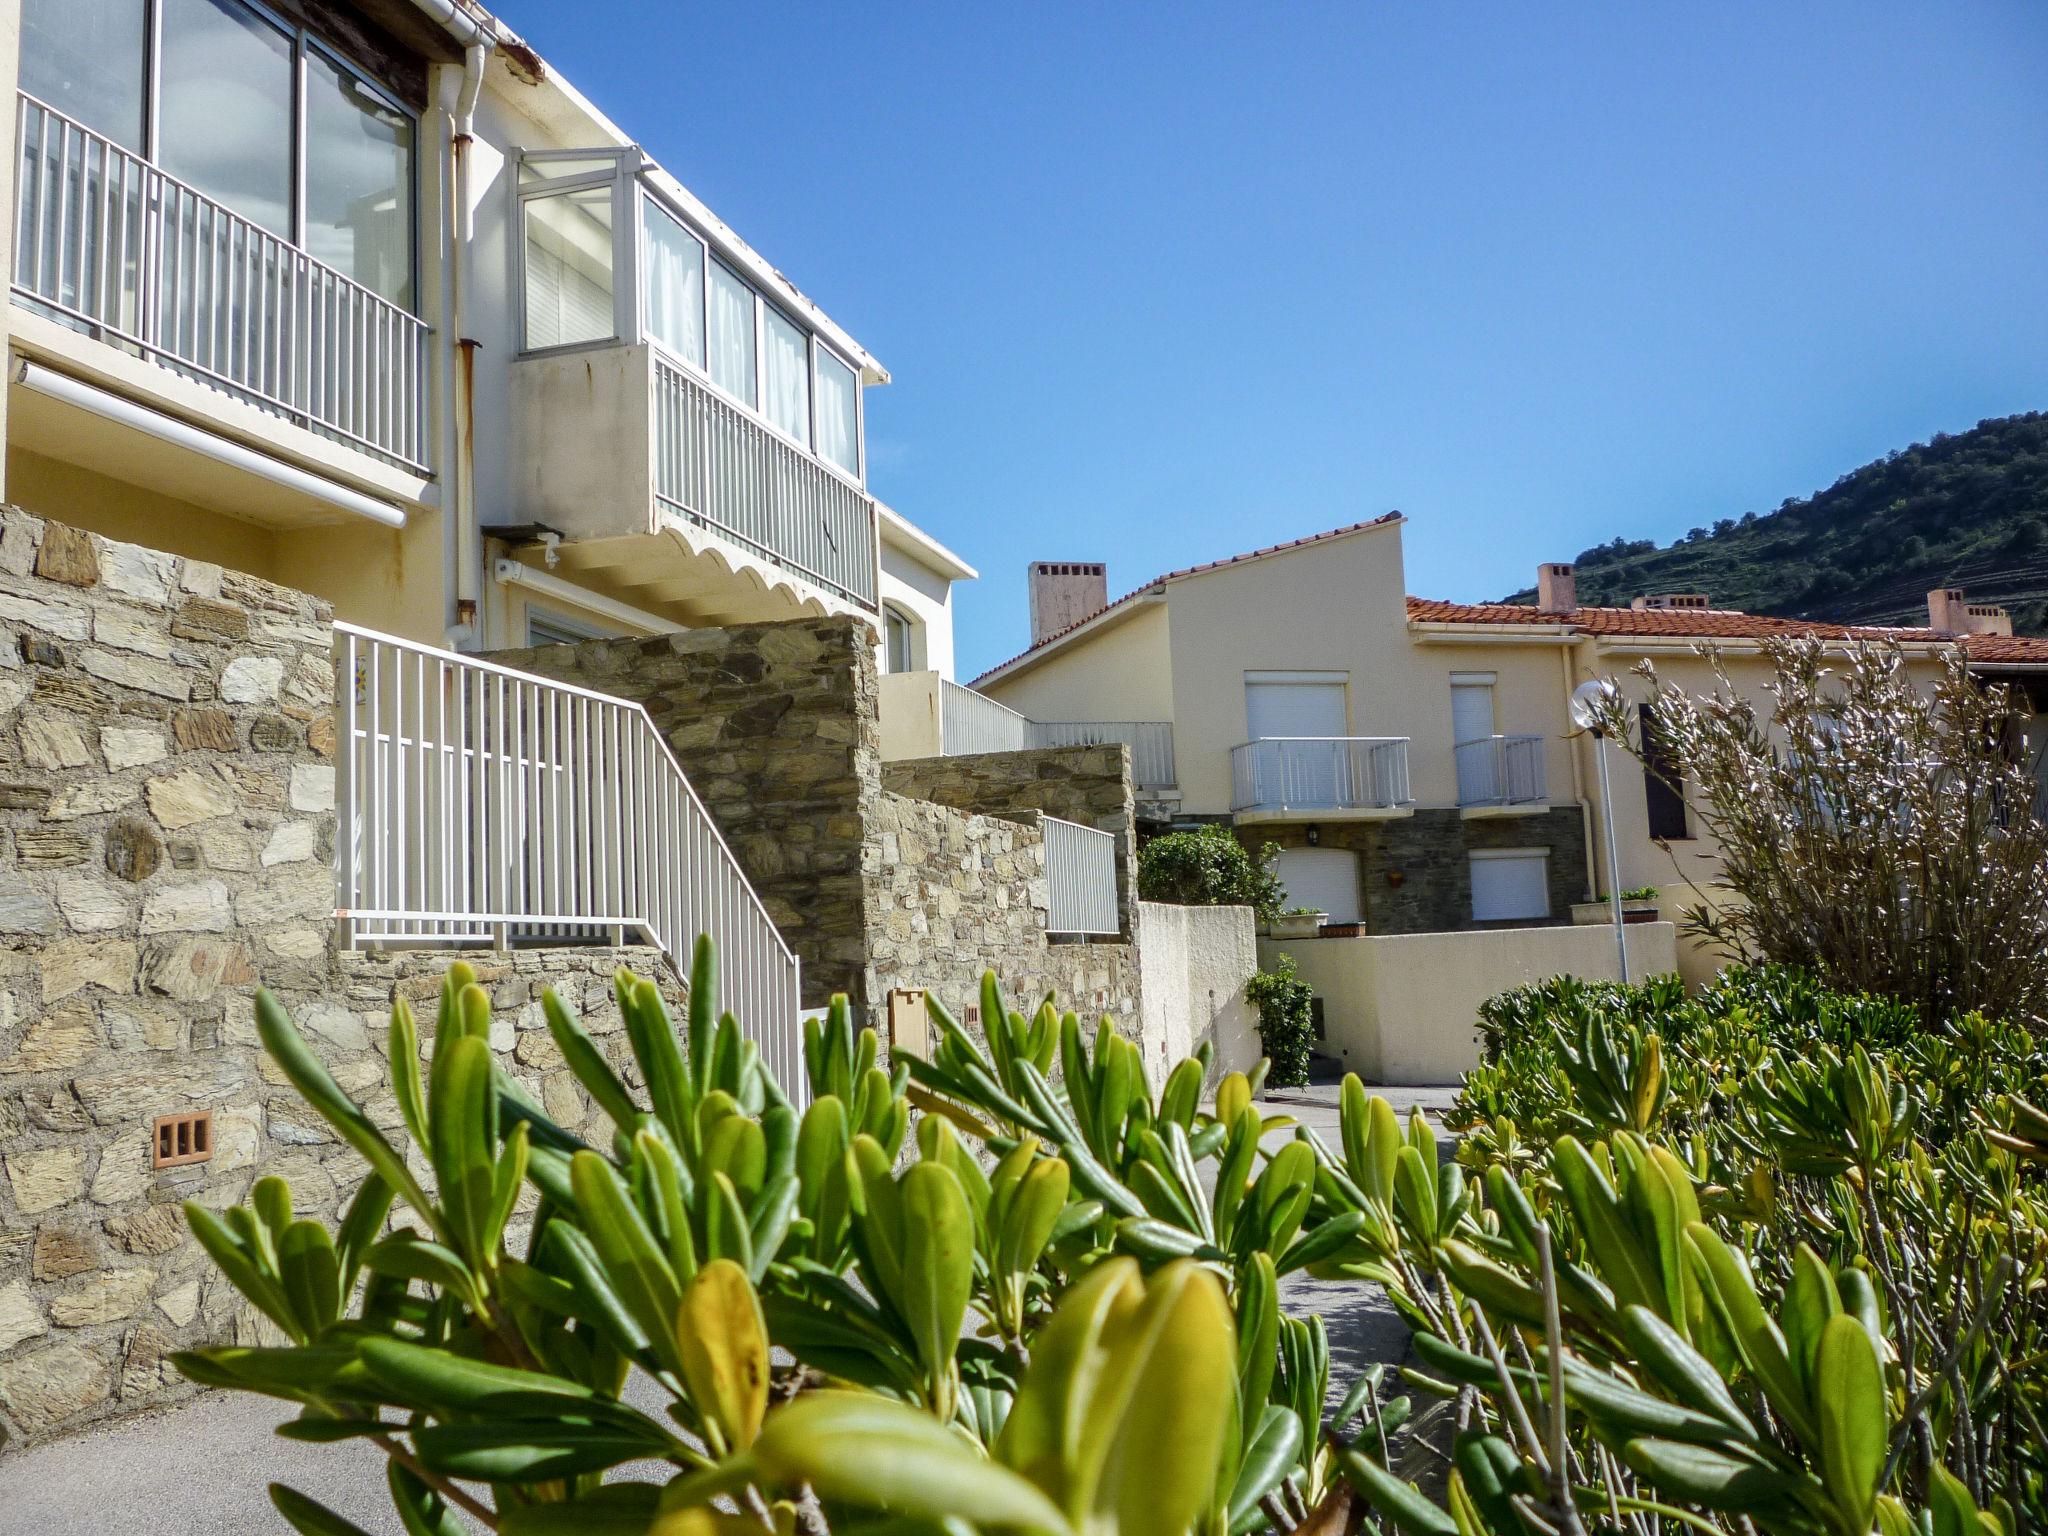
{"x":899,"y":637}
{"x":1472,"y":720}
{"x":565,"y":209}
{"x":838,"y":414}
{"x":789,"y":378}
{"x":226,"y":123}
{"x":1662,"y":786}
{"x":328,"y":163}
{"x":732,"y":334}
{"x":1510,"y":884}
{"x":673,"y":285}
{"x":359,"y":154}
{"x":545,"y":628}
{"x":1323,"y":878}
{"x":86,"y":58}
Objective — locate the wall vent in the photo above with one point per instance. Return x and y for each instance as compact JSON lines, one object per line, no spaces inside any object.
{"x":176,"y":1140}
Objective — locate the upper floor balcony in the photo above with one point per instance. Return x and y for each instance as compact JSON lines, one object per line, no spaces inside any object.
{"x":1331,"y":778}
{"x":1500,"y":775}
{"x":114,"y":246}
{"x":665,"y":387}
{"x":971,"y":722}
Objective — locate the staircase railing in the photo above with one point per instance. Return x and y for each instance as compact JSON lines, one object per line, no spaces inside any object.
{"x":480,"y":804}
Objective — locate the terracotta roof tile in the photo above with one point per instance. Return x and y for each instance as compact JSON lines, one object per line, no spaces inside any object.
{"x":1713,"y":624}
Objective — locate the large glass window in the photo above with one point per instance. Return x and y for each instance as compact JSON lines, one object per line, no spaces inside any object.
{"x":226,"y":119}
{"x":789,"y":378}
{"x":732,"y":334}
{"x":569,"y":267}
{"x":838,"y":413}
{"x":673,"y":284}
{"x":86,"y":59}
{"x":359,"y":180}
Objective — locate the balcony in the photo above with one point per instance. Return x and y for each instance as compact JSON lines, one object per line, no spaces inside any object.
{"x":1502,"y":775}
{"x":671,"y":491}
{"x":1332,"y":778}
{"x":108,"y":244}
{"x":971,"y":722}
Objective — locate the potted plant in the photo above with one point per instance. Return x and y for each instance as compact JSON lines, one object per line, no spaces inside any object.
{"x":1297,"y":923}
{"x":1638,"y":905}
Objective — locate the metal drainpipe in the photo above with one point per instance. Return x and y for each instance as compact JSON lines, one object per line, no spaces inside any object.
{"x":469,"y":556}
{"x":1564,"y":657}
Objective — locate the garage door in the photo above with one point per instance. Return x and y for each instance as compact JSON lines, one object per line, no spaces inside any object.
{"x":1324,"y":878}
{"x":1510,"y":883}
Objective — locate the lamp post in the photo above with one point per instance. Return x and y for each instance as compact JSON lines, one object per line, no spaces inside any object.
{"x":1591,"y":701}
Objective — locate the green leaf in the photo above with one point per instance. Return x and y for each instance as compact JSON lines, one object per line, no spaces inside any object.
{"x":308,"y":1517}
{"x":633,"y":1263}
{"x":1684,"y":1372}
{"x":723,"y":1342}
{"x":1850,"y":1403}
{"x":448,"y":1381}
{"x":287,"y":1047}
{"x":312,"y":1275}
{"x":583,"y":1057}
{"x":859,"y":1449}
{"x":938,"y":1260}
{"x":239,"y":1265}
{"x":1270,"y":1457}
{"x":404,"y":1047}
{"x":1400,"y":1502}
{"x":360,"y":1224}
{"x":1711,"y":1477}
{"x":421,"y":1511}
{"x":524,"y":1452}
{"x":1757,"y":1339}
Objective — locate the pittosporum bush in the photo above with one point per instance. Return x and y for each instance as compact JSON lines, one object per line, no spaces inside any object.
{"x":1054,"y":1308}
{"x":1287,"y":1030}
{"x":1208,"y":867}
{"x":1873,"y":826}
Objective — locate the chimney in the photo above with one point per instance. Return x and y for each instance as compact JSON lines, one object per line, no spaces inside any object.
{"x":1666,"y":600}
{"x":1063,"y":593}
{"x":1950,"y":613}
{"x":1557,"y":588}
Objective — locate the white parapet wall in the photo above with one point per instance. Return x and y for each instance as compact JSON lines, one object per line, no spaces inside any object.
{"x":1195,"y":962}
{"x":1402,"y":1008}
{"x":910,"y":716}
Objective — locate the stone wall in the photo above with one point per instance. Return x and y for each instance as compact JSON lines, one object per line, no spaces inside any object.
{"x":957,"y":894}
{"x":776,"y":727}
{"x":1088,"y":785}
{"x":1415,"y":874}
{"x":166,"y":826}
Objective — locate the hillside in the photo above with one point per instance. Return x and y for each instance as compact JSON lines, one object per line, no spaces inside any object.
{"x":1969,"y":510}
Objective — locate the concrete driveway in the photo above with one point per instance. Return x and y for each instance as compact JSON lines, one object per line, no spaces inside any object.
{"x":200,"y":1469}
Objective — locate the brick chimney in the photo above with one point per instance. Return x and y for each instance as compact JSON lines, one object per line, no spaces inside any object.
{"x":1063,"y":593}
{"x":1950,"y":613}
{"x":1557,"y":588}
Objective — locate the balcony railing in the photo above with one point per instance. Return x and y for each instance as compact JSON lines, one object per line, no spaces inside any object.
{"x":1501,"y":771}
{"x":1080,"y":878}
{"x":716,"y":466}
{"x":105,"y":240}
{"x":971,"y":722}
{"x":482,"y":805}
{"x":1320,"y":773}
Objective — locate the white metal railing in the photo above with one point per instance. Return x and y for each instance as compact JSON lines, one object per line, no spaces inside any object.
{"x":106,"y":240}
{"x":971,"y":722}
{"x":715,"y":465}
{"x":1320,"y":773}
{"x":1080,"y":878}
{"x":1501,"y":770}
{"x":480,"y":804}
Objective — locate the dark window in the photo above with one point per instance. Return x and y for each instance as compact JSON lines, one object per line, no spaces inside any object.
{"x":1663,"y":788}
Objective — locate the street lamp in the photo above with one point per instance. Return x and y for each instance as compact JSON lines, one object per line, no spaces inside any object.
{"x":1591,"y":702}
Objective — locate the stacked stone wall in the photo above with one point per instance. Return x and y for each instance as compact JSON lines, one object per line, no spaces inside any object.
{"x":957,"y":894}
{"x":1087,"y":785}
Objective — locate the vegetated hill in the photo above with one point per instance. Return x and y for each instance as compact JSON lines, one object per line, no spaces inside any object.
{"x":1968,"y":510}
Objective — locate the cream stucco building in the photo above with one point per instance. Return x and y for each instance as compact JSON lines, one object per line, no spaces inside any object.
{"x":1414,"y":761}
{"x":367,"y":299}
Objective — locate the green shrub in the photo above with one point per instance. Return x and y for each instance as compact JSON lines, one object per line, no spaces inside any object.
{"x":1209,"y":867}
{"x":1287,"y":1029}
{"x":1055,"y":1307}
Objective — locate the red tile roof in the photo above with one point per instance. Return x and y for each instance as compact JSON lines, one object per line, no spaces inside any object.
{"x":1715,"y":624}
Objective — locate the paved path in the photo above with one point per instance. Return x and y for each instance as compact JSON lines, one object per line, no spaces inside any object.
{"x":200,"y":1469}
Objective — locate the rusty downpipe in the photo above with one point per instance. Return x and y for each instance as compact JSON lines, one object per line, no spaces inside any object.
{"x":469,"y":554}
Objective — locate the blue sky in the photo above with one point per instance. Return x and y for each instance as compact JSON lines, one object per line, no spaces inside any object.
{"x":1161,"y":283}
